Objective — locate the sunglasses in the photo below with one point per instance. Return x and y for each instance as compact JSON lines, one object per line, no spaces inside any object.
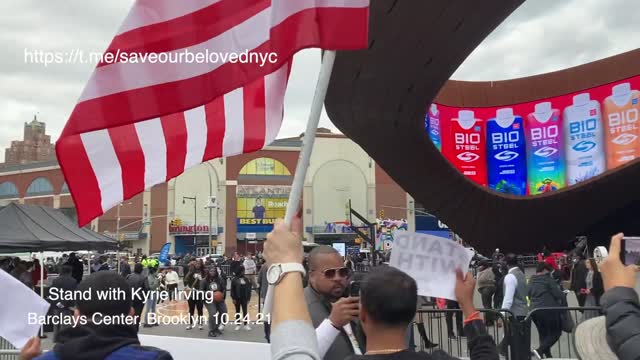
{"x":342,"y":272}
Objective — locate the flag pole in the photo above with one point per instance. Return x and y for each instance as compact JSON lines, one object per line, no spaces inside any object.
{"x":308,"y":140}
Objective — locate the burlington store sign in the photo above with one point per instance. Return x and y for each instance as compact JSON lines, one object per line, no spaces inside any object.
{"x":178,"y":227}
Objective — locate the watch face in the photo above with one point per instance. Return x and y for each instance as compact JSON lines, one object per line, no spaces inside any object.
{"x":273,"y":274}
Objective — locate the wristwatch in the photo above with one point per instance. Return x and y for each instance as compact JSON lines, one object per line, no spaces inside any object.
{"x":276,"y":272}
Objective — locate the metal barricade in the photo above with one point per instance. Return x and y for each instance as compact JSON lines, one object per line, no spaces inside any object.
{"x":226,"y":269}
{"x":529,"y":260}
{"x":564,"y":346}
{"x":7,"y":351}
{"x":439,"y":324}
{"x":361,"y":268}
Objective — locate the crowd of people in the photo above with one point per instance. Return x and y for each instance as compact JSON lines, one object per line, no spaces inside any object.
{"x":30,"y":272}
{"x":328,"y":319}
{"x":379,"y":319}
{"x":502,"y":285}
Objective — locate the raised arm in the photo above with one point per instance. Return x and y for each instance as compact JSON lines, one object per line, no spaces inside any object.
{"x":293,"y":336}
{"x":620,"y":303}
{"x":480,"y":343}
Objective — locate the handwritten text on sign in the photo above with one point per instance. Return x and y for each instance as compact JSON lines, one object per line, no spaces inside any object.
{"x":431,"y":261}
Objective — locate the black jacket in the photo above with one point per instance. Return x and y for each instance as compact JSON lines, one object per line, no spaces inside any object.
{"x":125,"y":269}
{"x":206,"y":285}
{"x":622,"y":313}
{"x":598,"y":287}
{"x":481,"y":347}
{"x":556,"y":275}
{"x":138,"y":281}
{"x":223,"y":276}
{"x":578,"y":276}
{"x":91,"y":342}
{"x":320,"y":309}
{"x":66,"y":283}
{"x":241,"y":289}
{"x":77,"y":269}
{"x":192,"y":281}
{"x":234,"y":266}
{"x":544,"y":292}
{"x":262,"y":281}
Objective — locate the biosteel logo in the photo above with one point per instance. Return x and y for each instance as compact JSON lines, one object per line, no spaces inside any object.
{"x":506,"y":155}
{"x":468,"y":157}
{"x":624,"y":139}
{"x":584,"y":146}
{"x":546,"y":151}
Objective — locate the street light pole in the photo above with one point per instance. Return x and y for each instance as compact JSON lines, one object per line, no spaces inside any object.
{"x":118,"y":236}
{"x":210,"y":197}
{"x":195,"y":220}
{"x":210,"y":231}
{"x":211,"y":205}
{"x":217,"y":237}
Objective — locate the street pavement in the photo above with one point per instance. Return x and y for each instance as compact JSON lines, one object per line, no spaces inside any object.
{"x":180,"y":308}
{"x":177,"y":309}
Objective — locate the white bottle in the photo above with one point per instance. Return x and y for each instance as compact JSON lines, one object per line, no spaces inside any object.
{"x":505,"y":117}
{"x":584,"y":139}
{"x":543,"y":112}
{"x":466,"y":119}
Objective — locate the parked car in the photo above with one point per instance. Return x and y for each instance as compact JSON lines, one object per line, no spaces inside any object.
{"x":216,"y":258}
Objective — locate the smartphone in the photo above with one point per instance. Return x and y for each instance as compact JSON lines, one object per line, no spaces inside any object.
{"x":630,"y":250}
{"x":354,"y":289}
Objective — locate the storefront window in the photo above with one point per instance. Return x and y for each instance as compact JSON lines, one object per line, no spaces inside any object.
{"x":265,"y":166}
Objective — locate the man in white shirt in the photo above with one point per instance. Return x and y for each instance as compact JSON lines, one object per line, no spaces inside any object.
{"x":515,"y":300}
{"x":250,"y":270}
{"x":171,"y":279}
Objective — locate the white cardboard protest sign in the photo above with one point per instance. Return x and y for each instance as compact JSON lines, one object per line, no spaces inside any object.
{"x":19,"y":303}
{"x":431,"y":261}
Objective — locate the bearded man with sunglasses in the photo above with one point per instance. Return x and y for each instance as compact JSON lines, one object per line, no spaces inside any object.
{"x":334,"y":316}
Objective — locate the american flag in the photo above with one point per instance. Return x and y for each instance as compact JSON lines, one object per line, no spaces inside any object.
{"x":141,"y":123}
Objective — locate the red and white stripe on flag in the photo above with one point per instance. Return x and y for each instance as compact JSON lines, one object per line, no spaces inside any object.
{"x":142,"y":123}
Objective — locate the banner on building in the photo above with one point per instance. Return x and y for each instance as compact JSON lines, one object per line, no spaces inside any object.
{"x":264,"y":191}
{"x":179,"y":227}
{"x":385,"y":232}
{"x":258,"y":206}
{"x":545,"y":145}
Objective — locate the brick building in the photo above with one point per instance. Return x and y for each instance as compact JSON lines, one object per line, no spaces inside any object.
{"x":251,"y":191}
{"x":35,"y":146}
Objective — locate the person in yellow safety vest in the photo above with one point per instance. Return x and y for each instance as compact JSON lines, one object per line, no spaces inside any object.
{"x":150,"y":263}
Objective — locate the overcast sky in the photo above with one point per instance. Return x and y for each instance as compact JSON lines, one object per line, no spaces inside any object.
{"x":542,"y":36}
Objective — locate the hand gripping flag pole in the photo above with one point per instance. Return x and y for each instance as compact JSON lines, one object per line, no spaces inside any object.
{"x":307,"y":147}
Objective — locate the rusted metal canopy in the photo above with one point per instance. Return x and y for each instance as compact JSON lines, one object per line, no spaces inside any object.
{"x":378,"y":97}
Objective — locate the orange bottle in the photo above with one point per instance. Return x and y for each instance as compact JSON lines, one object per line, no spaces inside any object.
{"x":621,"y":113}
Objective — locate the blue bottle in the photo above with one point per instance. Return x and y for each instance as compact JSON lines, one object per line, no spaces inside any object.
{"x":432,"y":125}
{"x":506,"y":153}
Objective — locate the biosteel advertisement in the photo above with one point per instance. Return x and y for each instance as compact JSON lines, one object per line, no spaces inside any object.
{"x":541,"y":146}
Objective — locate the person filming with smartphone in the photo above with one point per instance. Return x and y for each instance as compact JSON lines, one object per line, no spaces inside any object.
{"x":616,"y":334}
{"x":334,"y":316}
